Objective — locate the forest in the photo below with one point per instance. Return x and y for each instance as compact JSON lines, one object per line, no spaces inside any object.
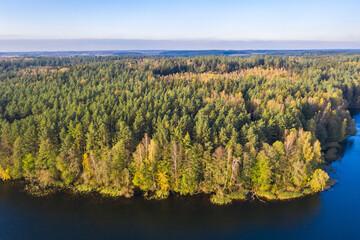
{"x":228,"y":127}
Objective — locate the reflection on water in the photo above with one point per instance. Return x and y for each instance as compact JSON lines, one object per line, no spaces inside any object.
{"x":330,"y":215}
{"x":92,"y":216}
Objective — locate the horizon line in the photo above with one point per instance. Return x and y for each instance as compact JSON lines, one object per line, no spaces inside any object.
{"x":187,"y":50}
{"x":106,"y":44}
{"x":178,"y":39}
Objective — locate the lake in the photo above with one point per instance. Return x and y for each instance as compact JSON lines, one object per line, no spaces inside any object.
{"x":333,"y":214}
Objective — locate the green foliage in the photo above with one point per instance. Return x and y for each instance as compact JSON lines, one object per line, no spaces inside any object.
{"x":83,"y":188}
{"x":46,"y":156}
{"x":28,"y":164}
{"x":288,"y":195}
{"x":266,"y":194}
{"x":238,"y":195}
{"x":68,"y":166}
{"x":17,"y":157}
{"x":144,"y":165}
{"x":184,"y":125}
{"x":110,"y":191}
{"x":220,"y":199}
{"x":262,"y":172}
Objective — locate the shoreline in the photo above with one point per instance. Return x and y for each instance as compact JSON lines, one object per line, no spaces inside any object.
{"x":245,"y":195}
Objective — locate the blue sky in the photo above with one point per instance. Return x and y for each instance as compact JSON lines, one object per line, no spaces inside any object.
{"x":250,"y":20}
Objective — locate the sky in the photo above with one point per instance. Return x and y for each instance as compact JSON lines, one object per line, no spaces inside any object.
{"x":27,"y":25}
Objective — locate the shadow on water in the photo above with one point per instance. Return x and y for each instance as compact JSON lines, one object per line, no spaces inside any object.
{"x":76,"y":216}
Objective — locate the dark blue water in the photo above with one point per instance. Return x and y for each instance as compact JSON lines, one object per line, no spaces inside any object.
{"x":333,"y":214}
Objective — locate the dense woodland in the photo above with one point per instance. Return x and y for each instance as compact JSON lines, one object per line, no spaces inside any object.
{"x":216,"y":125}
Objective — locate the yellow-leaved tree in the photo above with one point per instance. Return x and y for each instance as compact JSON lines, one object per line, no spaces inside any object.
{"x":4,"y":174}
{"x":319,"y":180}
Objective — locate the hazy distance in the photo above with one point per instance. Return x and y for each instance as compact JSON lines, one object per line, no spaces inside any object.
{"x":128,"y":44}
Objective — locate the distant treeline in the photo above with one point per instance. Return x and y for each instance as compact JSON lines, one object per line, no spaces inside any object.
{"x":217,"y":125}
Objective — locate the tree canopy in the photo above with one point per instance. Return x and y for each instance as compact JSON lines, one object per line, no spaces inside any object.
{"x":175,"y":125}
